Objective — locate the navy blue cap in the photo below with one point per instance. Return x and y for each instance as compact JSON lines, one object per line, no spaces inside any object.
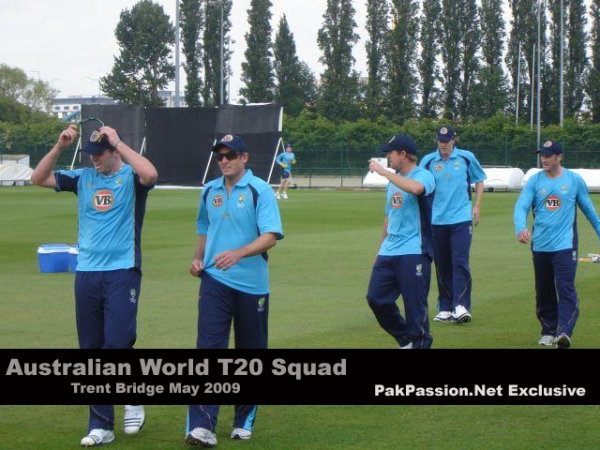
{"x":232,"y":142}
{"x":551,"y":148}
{"x":445,"y":133}
{"x":96,"y":144}
{"x":400,"y":142}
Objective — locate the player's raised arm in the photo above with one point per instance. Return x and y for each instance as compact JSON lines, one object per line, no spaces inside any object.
{"x":43,"y":175}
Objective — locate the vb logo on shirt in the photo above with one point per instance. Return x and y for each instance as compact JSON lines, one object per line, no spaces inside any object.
{"x":396,"y":201}
{"x":217,"y":201}
{"x":552,"y":203}
{"x":103,"y":200}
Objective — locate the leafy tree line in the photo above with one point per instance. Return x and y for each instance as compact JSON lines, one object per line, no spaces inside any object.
{"x":328,"y":146}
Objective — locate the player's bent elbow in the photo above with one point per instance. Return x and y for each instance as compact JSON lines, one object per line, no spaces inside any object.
{"x":39,"y":180}
{"x":149,"y":178}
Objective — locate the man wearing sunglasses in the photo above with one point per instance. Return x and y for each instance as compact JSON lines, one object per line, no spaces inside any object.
{"x":112,"y":202}
{"x":238,"y":221}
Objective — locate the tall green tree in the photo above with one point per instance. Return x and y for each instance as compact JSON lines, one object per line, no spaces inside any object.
{"x":257,"y":70}
{"x":339,"y":96}
{"x":593,"y":82}
{"x":403,"y":46}
{"x":33,"y":93}
{"x":214,"y":35}
{"x":145,"y":36}
{"x":290,"y":89}
{"x":450,"y":38}
{"x":378,"y":57}
{"x":427,"y":64}
{"x":492,"y":89}
{"x":191,"y":23}
{"x":468,"y":18}
{"x":578,"y":68}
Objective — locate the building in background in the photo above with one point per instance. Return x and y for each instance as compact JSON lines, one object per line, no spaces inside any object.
{"x":66,"y":107}
{"x":69,"y":106}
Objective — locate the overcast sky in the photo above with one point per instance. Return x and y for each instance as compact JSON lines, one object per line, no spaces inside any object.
{"x":68,"y":43}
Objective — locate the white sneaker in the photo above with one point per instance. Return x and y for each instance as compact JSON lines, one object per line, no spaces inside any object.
{"x":461,"y":315}
{"x":408,"y":346}
{"x":563,"y":341}
{"x":277,"y":195}
{"x":443,"y":316}
{"x":201,"y":437}
{"x":98,"y":436}
{"x":284,"y":196}
{"x":547,"y":340}
{"x":134,"y":419}
{"x":241,"y":433}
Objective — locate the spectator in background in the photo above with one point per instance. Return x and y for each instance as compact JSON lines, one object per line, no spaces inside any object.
{"x":285,"y":161}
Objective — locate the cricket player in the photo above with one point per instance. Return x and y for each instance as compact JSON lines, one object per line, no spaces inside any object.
{"x":453,"y":218}
{"x":238,"y":221}
{"x":403,"y":264}
{"x":285,"y":161}
{"x":112,"y":202}
{"x":553,"y":195}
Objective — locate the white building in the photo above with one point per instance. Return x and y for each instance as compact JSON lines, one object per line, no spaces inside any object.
{"x":62,"y":107}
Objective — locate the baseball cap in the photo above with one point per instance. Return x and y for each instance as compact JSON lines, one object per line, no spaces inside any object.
{"x":232,"y":142}
{"x":445,"y":133}
{"x":96,"y":144}
{"x":551,"y":148}
{"x":400,"y":142}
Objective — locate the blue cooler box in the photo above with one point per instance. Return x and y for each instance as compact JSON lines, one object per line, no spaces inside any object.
{"x":73,"y":253}
{"x":54,"y":258}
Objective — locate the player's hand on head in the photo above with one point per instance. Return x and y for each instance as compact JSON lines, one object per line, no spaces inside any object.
{"x":67,"y":136}
{"x":110,"y":134}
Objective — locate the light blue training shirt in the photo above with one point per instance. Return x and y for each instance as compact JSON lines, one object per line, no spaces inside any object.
{"x":554,"y":204}
{"x":111,"y":214}
{"x":230,"y":221}
{"x":409,"y":218}
{"x":453,"y":178}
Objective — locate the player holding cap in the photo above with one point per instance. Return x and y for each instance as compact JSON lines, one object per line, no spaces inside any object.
{"x":554,"y":194}
{"x":112,"y":202}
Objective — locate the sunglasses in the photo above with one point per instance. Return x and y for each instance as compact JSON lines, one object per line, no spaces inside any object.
{"x":229,"y":155}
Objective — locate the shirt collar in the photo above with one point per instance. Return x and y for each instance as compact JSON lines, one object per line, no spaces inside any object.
{"x":438,"y":155}
{"x":243,"y":182}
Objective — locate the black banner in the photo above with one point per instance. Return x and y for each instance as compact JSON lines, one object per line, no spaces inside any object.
{"x":301,"y":377}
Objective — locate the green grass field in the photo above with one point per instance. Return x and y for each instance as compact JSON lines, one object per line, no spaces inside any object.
{"x":319,"y":275}
{"x":327,"y":428}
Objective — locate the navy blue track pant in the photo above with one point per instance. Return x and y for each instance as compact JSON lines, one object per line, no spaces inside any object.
{"x":219,"y":306}
{"x":451,"y":247}
{"x":106,"y":305}
{"x":557,"y":306}
{"x":409,"y":276}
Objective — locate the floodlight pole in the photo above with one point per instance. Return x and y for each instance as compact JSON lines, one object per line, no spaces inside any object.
{"x":518,"y":85}
{"x":222,"y":71}
{"x":539,"y":65}
{"x":177,"y":89}
{"x":562,"y":56}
